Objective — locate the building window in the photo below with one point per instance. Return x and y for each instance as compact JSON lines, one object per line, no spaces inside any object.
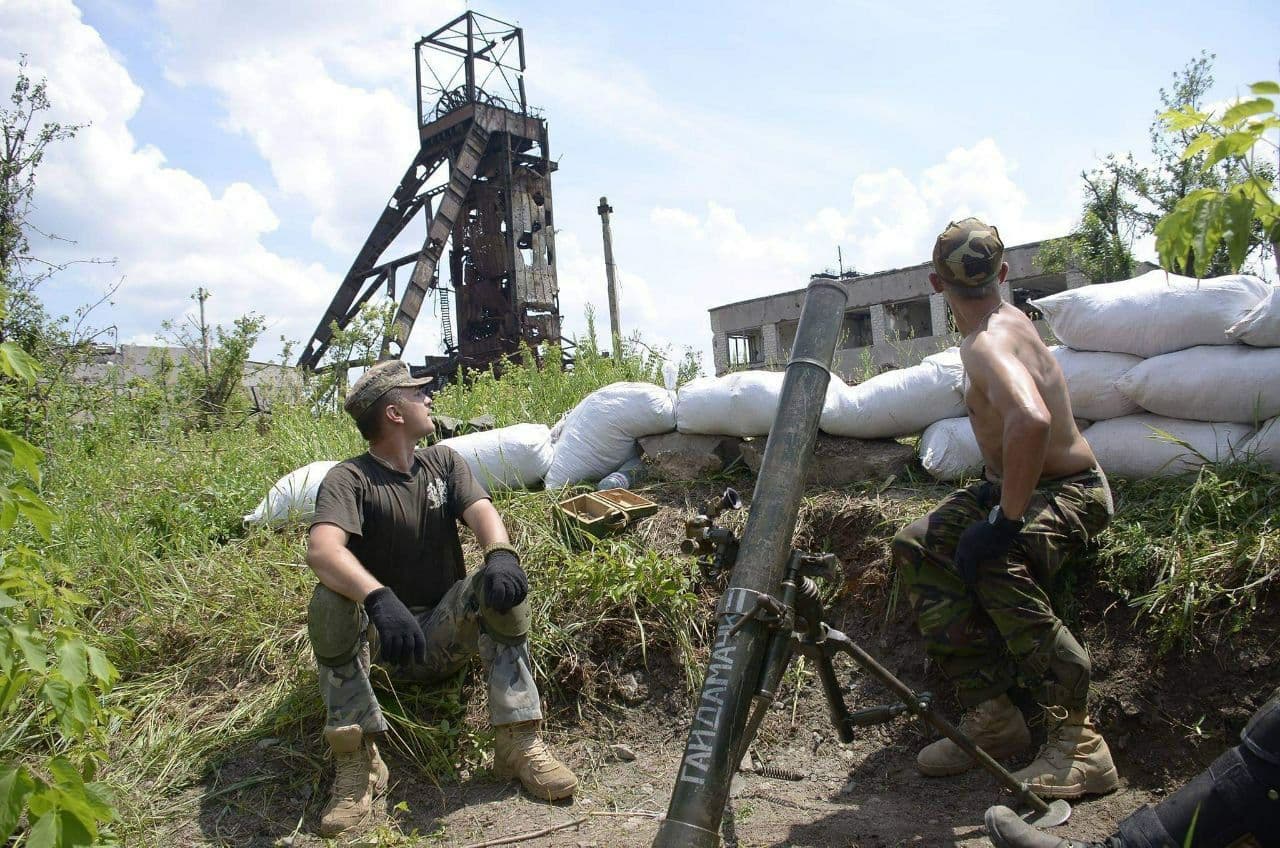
{"x":856,"y":330}
{"x":745,"y":348}
{"x":911,"y":319}
{"x":786,"y":338}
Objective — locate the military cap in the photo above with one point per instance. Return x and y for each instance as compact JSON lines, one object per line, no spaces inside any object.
{"x":376,"y":382}
{"x":968,"y":253}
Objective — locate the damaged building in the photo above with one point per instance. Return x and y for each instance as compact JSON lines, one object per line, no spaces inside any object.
{"x":894,"y":318}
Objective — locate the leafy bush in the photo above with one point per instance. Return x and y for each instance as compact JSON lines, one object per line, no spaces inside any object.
{"x":51,"y":678}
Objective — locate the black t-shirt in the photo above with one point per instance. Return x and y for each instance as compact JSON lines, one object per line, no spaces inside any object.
{"x":403,"y":527}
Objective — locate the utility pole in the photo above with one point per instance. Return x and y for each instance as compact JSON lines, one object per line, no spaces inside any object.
{"x":202,"y":294}
{"x":615,"y":323}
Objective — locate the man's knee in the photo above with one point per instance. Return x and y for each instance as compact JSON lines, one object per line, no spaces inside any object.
{"x":508,"y":627}
{"x":335,"y":625}
{"x":908,"y":549}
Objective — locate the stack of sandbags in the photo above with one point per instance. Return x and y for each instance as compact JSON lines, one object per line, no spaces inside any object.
{"x":1152,"y":314}
{"x":742,"y":403}
{"x":1176,"y":371}
{"x":1091,"y":382}
{"x":899,"y":402}
{"x":512,"y":457}
{"x":599,"y":434}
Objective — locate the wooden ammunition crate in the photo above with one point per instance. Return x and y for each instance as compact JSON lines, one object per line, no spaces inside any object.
{"x":599,"y":514}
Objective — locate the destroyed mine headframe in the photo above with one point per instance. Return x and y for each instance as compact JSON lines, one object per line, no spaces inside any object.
{"x":482,"y":179}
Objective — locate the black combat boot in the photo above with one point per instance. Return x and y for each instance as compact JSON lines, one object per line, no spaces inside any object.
{"x":1007,"y":830}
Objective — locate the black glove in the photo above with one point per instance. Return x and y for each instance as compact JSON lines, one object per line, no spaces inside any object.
{"x":983,"y":540}
{"x":399,"y":635}
{"x":505,"y":584}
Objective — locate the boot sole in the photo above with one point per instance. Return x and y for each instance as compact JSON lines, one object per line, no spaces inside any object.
{"x":1103,"y":783}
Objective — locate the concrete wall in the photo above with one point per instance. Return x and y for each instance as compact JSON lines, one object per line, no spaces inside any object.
{"x":128,"y":362}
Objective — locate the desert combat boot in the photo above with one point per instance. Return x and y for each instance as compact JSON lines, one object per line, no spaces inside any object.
{"x":358,"y":773}
{"x":996,"y":726}
{"x":519,"y":751}
{"x":1075,"y":760}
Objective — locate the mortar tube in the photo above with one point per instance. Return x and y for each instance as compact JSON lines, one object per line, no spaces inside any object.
{"x":733,"y":671}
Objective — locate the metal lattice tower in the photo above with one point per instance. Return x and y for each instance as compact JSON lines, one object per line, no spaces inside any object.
{"x":493,"y":211}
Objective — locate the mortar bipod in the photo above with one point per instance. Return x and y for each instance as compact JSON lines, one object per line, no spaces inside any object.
{"x":796,"y":623}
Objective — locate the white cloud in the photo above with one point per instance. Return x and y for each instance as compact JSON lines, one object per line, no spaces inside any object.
{"x":325,"y":97}
{"x":581,"y":274}
{"x":116,"y":198}
{"x":893,"y":217}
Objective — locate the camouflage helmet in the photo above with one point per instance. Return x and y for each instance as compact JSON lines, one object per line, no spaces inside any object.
{"x":968,"y":253}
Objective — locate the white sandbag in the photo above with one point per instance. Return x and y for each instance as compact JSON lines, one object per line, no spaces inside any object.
{"x":1264,"y":445}
{"x":1130,"y":446}
{"x":1260,"y":326}
{"x":896,"y":403}
{"x":1152,"y":314}
{"x":512,"y":457}
{"x":1091,"y":382}
{"x":600,"y":433}
{"x":950,"y":363}
{"x":743,"y":403}
{"x":1208,"y":383}
{"x":293,"y":497}
{"x":949,"y":450}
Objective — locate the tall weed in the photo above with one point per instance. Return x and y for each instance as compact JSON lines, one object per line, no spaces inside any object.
{"x":1195,"y":557}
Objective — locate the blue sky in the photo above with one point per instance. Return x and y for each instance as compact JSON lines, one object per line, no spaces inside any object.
{"x":247,"y":147}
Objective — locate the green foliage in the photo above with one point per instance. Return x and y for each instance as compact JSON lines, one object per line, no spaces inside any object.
{"x":51,"y":678}
{"x":1190,"y":556}
{"x":1194,"y":198}
{"x":205,"y":390}
{"x":1227,"y":217}
{"x":1102,"y":245}
{"x":359,"y":344}
{"x":25,"y":141}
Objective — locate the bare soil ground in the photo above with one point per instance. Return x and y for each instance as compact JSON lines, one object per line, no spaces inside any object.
{"x":1166,"y":717}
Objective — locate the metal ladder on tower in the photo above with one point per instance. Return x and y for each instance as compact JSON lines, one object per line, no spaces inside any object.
{"x":446,"y":318}
{"x":461,"y":172}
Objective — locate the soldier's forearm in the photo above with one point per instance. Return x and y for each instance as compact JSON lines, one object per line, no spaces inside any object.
{"x":340,"y":571}
{"x":484,"y":521}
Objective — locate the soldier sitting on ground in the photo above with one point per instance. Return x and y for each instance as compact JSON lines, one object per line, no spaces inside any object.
{"x":394,"y":590}
{"x":977,"y":567}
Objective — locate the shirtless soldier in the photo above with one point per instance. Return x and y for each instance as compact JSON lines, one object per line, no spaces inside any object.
{"x":977,"y":567}
{"x":394,"y":590}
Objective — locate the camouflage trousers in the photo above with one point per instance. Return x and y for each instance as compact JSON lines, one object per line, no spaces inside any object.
{"x":457,"y":629}
{"x":1003,"y":631}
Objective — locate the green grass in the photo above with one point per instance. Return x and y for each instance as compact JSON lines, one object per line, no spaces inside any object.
{"x":205,"y":619}
{"x":1195,"y":556}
